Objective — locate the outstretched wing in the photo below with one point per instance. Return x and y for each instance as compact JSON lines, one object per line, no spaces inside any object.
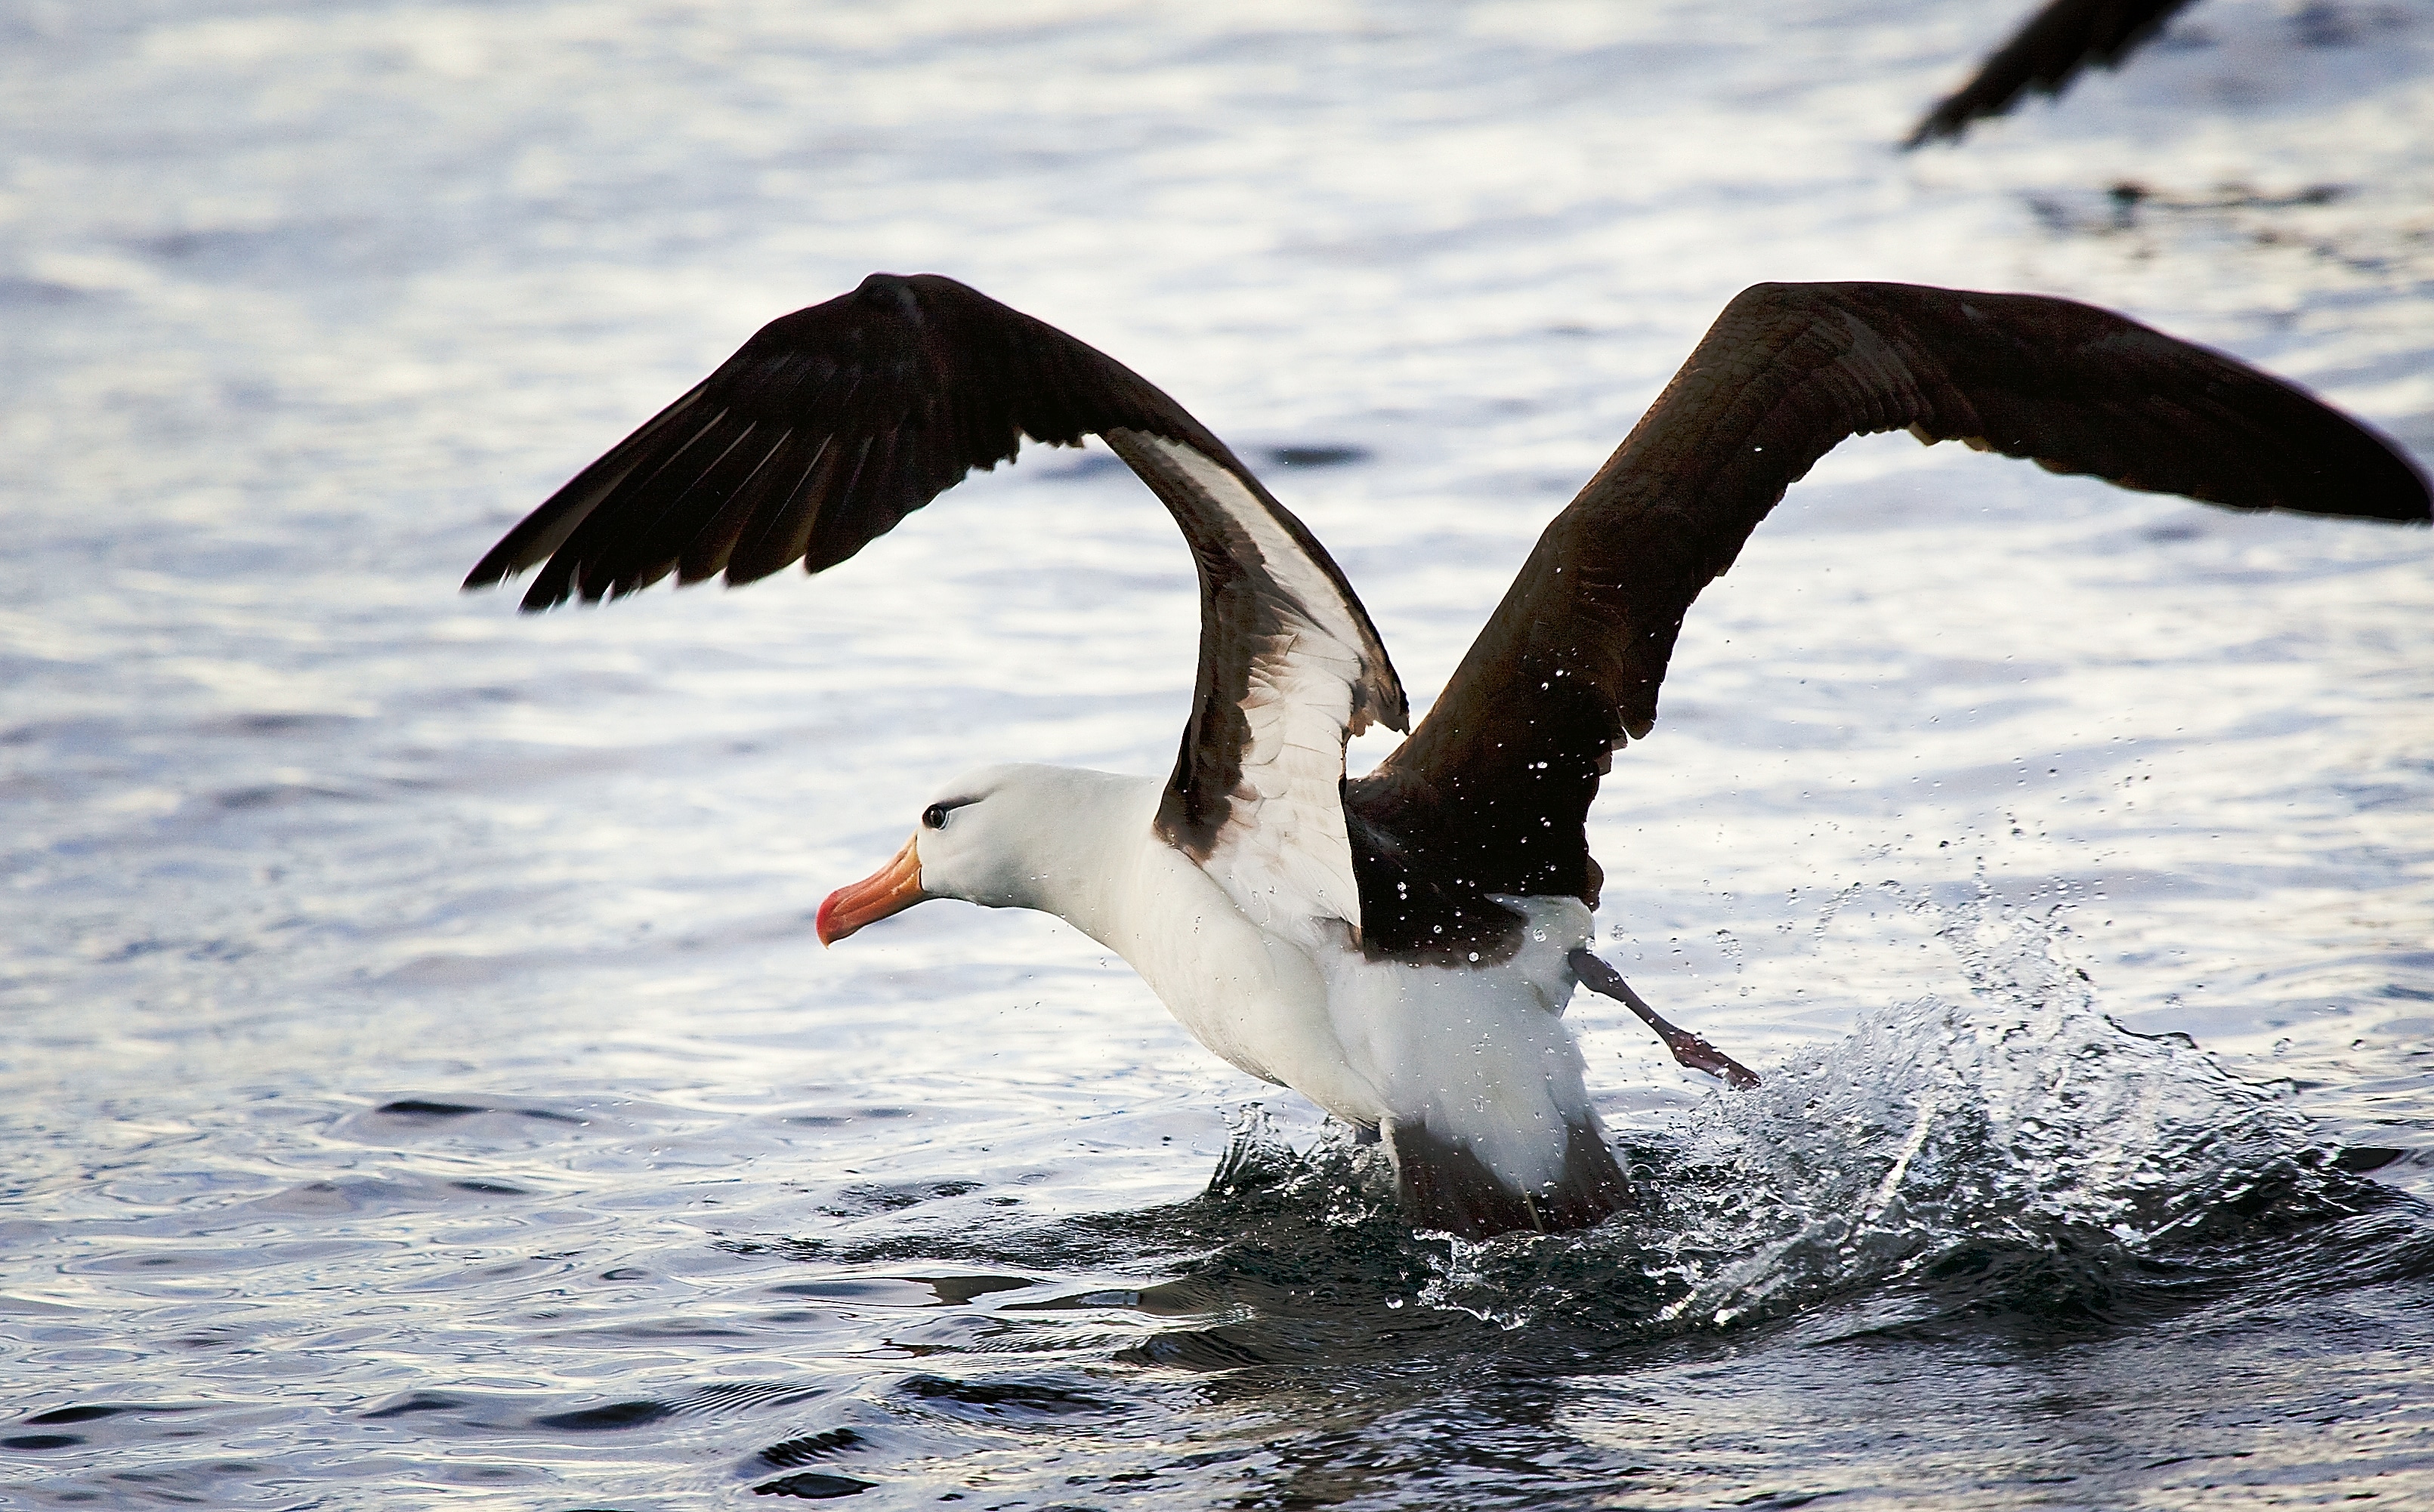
{"x":2045,"y":55}
{"x":833,"y":423}
{"x":1493,"y":786}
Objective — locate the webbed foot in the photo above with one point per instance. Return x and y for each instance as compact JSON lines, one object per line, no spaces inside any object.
{"x":1689,"y":1050}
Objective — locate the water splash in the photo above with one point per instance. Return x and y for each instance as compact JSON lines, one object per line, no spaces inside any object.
{"x":2012,"y":1150}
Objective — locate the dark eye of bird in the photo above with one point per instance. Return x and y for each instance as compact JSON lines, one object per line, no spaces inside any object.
{"x":935,"y":817}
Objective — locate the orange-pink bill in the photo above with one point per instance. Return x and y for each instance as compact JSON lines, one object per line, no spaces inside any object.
{"x":892,"y":889}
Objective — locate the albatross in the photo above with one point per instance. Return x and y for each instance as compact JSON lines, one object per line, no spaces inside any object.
{"x":1398,"y":947}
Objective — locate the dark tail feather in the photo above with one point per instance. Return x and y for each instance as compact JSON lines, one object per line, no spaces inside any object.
{"x":1446,"y":1187}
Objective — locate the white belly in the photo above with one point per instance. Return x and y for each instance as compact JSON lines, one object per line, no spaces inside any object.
{"x":1479,"y":1055}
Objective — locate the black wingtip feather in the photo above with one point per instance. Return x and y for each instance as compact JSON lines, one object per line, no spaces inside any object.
{"x":786,"y":471}
{"x":544,"y":530}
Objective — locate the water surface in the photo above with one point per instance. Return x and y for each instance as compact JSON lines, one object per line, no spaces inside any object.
{"x":422,"y":1085}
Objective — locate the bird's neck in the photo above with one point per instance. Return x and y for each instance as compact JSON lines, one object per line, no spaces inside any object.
{"x":1082,"y":859}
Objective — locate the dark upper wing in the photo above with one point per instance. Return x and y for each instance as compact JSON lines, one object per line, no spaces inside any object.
{"x":2045,"y":55}
{"x":833,"y":423}
{"x":1494,"y":785}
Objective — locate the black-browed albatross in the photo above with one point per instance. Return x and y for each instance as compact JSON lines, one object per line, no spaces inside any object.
{"x":1398,"y":947}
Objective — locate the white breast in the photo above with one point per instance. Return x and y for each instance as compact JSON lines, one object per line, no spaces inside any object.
{"x":1478,"y":1055}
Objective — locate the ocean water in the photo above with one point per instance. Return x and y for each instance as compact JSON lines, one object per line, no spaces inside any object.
{"x":421,"y":1085}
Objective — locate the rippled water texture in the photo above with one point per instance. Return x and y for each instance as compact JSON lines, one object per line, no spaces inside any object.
{"x":422,"y":1086}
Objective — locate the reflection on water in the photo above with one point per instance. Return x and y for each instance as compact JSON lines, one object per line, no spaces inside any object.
{"x":421,"y":1083}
